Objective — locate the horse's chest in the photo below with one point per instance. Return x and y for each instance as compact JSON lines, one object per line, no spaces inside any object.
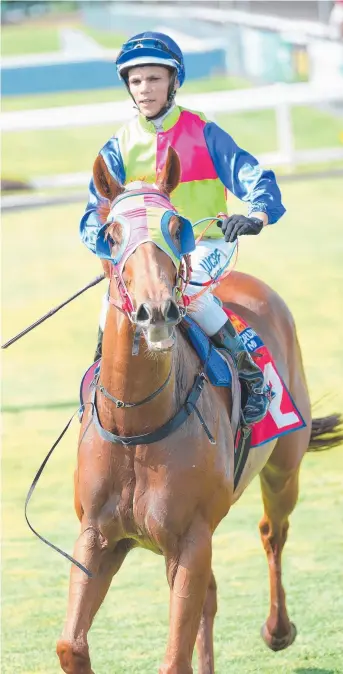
{"x":128,"y":520}
{"x":150,"y":494}
{"x":125,"y":513}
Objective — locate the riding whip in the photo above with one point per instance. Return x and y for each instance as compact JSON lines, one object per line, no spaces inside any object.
{"x":95,"y":281}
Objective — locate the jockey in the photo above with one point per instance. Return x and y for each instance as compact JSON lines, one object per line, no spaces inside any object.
{"x":152,"y":67}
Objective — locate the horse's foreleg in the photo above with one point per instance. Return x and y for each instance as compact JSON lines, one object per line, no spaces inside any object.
{"x":204,"y":640}
{"x":189,"y":572}
{"x":85,"y":597}
{"x":280,"y":493}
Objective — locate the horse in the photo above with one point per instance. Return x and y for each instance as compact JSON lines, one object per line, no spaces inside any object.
{"x":144,"y":480}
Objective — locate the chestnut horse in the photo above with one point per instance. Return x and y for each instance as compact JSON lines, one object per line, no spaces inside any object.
{"x":169,"y":495}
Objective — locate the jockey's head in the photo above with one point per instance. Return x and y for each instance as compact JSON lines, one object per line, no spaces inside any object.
{"x":152,"y":67}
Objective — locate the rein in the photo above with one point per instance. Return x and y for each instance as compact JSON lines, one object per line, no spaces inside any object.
{"x":34,"y":484}
{"x":221,"y":275}
{"x":188,"y":407}
{"x":160,"y":433}
{"x":126,"y":304}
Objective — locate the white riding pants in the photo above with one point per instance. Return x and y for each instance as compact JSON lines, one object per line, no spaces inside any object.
{"x":209,"y":258}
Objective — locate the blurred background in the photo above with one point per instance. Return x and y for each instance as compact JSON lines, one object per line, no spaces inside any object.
{"x":271,"y":74}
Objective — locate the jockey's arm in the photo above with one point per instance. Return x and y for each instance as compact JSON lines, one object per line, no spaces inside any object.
{"x":241,"y":173}
{"x":90,"y":221}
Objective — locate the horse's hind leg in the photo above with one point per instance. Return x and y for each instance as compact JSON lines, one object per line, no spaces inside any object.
{"x":279,"y":483}
{"x":204,"y":640}
{"x":86,"y":596}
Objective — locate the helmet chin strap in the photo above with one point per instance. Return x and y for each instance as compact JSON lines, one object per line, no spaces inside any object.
{"x":170,"y":99}
{"x":165,"y":108}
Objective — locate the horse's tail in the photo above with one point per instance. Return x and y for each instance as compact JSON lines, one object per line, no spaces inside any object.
{"x":326,"y":432}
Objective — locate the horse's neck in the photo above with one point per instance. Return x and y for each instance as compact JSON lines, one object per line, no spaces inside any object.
{"x":133,"y":378}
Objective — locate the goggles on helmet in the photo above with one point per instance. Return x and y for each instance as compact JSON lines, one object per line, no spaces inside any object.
{"x":147,"y":43}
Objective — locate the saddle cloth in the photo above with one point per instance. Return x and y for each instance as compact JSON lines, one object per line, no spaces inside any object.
{"x":282,"y":417}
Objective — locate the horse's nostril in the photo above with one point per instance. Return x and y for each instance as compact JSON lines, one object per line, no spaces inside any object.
{"x":143,"y":313}
{"x":157,"y":314}
{"x":171,"y":311}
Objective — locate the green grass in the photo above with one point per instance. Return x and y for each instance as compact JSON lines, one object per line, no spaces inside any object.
{"x":35,"y":38}
{"x":43,"y":263}
{"x":56,"y":100}
{"x":106,"y":38}
{"x":46,"y":152}
{"x":257,"y":130}
{"x":10,"y":103}
{"x":318,"y":129}
{"x":21,"y":40}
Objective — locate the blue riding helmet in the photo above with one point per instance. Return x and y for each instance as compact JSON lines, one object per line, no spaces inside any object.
{"x":151,"y":48}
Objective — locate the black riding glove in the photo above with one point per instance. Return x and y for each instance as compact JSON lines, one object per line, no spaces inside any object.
{"x":236,"y":225}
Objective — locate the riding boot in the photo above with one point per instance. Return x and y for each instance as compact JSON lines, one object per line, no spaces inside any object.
{"x":250,"y":376}
{"x":98,"y":352}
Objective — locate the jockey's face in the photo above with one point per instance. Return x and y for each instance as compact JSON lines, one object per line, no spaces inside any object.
{"x":149,"y":87}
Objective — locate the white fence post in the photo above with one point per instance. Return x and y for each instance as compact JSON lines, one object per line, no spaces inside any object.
{"x":285,"y":131}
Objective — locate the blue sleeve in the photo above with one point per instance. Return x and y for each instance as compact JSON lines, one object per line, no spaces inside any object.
{"x":241,"y":173}
{"x":90,"y":223}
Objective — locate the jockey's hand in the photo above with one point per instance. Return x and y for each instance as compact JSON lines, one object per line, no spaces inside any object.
{"x":236,"y":225}
{"x":106,"y":265}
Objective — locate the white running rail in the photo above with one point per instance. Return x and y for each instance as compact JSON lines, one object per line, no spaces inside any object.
{"x":280,"y":97}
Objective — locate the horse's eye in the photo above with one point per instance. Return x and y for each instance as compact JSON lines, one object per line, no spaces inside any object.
{"x":114,"y":234}
{"x":175,"y":231}
{"x":177,"y":238}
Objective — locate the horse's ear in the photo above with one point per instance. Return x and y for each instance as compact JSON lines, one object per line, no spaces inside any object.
{"x":104,"y":181}
{"x":169,"y":177}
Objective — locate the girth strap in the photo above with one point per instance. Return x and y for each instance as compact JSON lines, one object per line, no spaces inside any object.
{"x":163,"y":431}
{"x":241,"y":453}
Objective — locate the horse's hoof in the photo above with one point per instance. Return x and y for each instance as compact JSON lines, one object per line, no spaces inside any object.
{"x":278,"y":643}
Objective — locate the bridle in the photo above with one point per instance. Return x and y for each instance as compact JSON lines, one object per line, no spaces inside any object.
{"x":125,"y":304}
{"x":184,"y":270}
{"x":189,"y":406}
